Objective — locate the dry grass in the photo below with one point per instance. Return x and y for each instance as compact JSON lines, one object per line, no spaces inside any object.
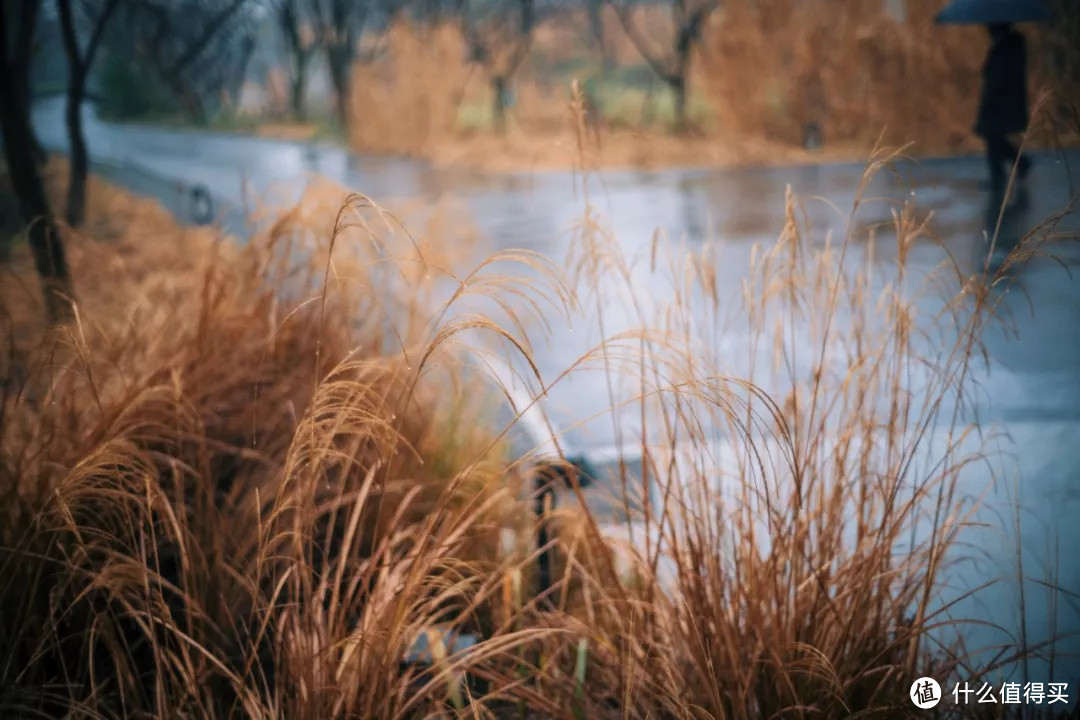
{"x":862,"y":74}
{"x":520,"y":151}
{"x":410,"y":101}
{"x":855,"y":73}
{"x":212,"y":476}
{"x":765,"y":70}
{"x":248,"y":478}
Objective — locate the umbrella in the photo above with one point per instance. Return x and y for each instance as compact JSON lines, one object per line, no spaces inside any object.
{"x":983,"y":12}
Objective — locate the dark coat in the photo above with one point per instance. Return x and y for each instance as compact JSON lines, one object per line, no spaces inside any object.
{"x":1003,"y":106}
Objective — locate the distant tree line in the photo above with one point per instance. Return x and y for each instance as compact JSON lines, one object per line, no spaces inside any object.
{"x":498,"y":36}
{"x":187,"y":55}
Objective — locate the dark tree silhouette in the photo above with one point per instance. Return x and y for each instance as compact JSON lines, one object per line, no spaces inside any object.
{"x":499,"y":35}
{"x":296,"y":28}
{"x":191,"y":46}
{"x":18,"y":20}
{"x":350,"y":31}
{"x":671,"y":64}
{"x":79,"y":62}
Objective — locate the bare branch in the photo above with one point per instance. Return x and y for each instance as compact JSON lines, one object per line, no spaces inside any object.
{"x":513,"y":38}
{"x":99,"y":30}
{"x":195,"y":49}
{"x":689,"y":33}
{"x":71,"y":42}
{"x":655,"y":61}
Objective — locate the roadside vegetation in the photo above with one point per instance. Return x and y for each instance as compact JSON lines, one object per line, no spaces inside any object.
{"x":269,"y":480}
{"x":761,"y":81}
{"x":279,"y":476}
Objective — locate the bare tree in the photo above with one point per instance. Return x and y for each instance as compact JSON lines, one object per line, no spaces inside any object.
{"x":499,"y":34}
{"x":350,"y":31}
{"x":18,"y":19}
{"x":79,"y":62}
{"x":671,"y":64}
{"x":296,"y":27}
{"x":193,"y":45}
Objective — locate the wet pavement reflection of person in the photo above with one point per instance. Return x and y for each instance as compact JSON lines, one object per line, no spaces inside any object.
{"x":1003,"y":106}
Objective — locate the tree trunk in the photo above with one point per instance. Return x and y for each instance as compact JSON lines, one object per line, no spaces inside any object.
{"x":678,"y":86}
{"x":299,"y":88}
{"x":76,"y":198}
{"x":299,"y":53}
{"x":339,"y":59}
{"x":498,"y":102}
{"x":242,"y":69}
{"x":43,"y":235}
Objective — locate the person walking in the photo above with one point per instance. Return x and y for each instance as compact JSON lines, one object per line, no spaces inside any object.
{"x":1003,"y":105}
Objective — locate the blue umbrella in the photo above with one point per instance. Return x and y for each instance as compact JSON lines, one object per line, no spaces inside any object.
{"x":984,"y":12}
